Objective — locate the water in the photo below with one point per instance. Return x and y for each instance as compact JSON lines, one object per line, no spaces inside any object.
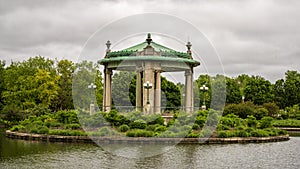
{"x":25,"y":154}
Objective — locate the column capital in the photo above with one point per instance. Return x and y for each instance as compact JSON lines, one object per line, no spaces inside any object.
{"x":188,"y":72}
{"x":108,"y":71}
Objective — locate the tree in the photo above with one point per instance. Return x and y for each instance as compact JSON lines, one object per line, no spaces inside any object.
{"x":123,"y":89}
{"x":84,"y":74}
{"x":233,"y":94}
{"x":65,"y":69}
{"x":2,"y":72}
{"x":259,"y":90}
{"x":292,"y":88}
{"x":172,"y":93}
{"x":204,"y":80}
{"x":279,"y":93}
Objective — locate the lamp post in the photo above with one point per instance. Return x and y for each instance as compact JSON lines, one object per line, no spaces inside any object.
{"x":204,"y":89}
{"x":92,"y":86}
{"x":243,"y":99}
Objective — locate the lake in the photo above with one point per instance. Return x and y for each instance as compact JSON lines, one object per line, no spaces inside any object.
{"x":29,"y":154}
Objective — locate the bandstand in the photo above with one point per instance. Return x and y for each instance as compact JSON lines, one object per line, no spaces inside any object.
{"x":148,"y":59}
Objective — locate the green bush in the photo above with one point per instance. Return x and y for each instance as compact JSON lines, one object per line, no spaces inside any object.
{"x":266,"y":122}
{"x":231,"y":133}
{"x":104,"y":131}
{"x":242,"y":133}
{"x":139,"y":133}
{"x":259,"y":133}
{"x":196,"y":127}
{"x":206,"y":133}
{"x":73,"y":126}
{"x":138,"y":124}
{"x":222,"y":134}
{"x":43,"y":130}
{"x":160,"y":129}
{"x":282,"y":132}
{"x":18,"y":128}
{"x":151,"y":127}
{"x":33,"y":131}
{"x":123,"y":128}
{"x":193,"y":135}
{"x":251,"y":121}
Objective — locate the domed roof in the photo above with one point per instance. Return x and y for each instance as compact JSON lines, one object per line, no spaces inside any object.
{"x":149,"y":51}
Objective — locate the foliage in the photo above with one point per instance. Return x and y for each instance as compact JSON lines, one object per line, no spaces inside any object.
{"x":123,"y":128}
{"x":286,"y":123}
{"x":266,"y":122}
{"x":139,"y":133}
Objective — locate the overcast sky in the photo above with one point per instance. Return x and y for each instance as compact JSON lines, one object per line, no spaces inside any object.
{"x":256,"y":37}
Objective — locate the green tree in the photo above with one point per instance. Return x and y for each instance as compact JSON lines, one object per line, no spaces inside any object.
{"x":123,"y":89}
{"x":259,"y":90}
{"x":2,"y":72}
{"x":279,"y":93}
{"x":84,"y":74}
{"x":292,"y":88}
{"x":233,"y":94}
{"x":65,"y":69}
{"x":172,"y":93}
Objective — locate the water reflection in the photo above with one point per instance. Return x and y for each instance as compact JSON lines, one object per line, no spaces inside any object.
{"x":24,"y":154}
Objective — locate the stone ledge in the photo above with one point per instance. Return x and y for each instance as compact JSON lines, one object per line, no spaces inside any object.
{"x":142,"y":140}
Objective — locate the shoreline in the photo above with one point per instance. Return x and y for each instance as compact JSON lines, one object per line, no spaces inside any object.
{"x":141,"y":140}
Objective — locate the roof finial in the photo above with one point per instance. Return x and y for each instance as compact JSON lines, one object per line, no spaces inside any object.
{"x":189,"y":45}
{"x":108,"y":48}
{"x":108,"y":44}
{"x":149,"y":39}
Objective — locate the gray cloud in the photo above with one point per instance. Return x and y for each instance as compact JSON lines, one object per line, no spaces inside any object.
{"x":252,"y":36}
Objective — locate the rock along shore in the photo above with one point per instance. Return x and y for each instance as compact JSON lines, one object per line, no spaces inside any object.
{"x":141,"y":140}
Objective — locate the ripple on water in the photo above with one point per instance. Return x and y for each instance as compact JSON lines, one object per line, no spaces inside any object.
{"x":54,"y":155}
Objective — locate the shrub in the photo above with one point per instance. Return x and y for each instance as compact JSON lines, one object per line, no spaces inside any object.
{"x":151,"y":127}
{"x":73,"y":126}
{"x":196,"y":127}
{"x":259,"y":133}
{"x":282,"y":132}
{"x":251,"y":121}
{"x":206,"y":132}
{"x":193,"y":135}
{"x":139,"y":133}
{"x":43,"y":130}
{"x":231,"y":133}
{"x":104,"y":131}
{"x":249,"y":129}
{"x":123,"y":128}
{"x":77,"y":133}
{"x":138,"y":124}
{"x":223,"y":127}
{"x":160,"y":129}
{"x":33,"y":130}
{"x":18,"y":128}
{"x":242,"y":133}
{"x":266,"y":122}
{"x":222,"y":134}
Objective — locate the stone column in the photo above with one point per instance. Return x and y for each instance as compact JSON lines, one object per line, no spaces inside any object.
{"x":108,"y":93}
{"x":148,"y":76}
{"x":188,"y":90}
{"x":138,"y":101}
{"x":104,"y":91}
{"x":158,"y":92}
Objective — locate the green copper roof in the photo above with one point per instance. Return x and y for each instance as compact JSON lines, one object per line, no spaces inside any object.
{"x":161,"y":53}
{"x":156,"y":46}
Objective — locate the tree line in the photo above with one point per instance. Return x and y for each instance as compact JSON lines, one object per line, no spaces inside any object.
{"x":39,"y":85}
